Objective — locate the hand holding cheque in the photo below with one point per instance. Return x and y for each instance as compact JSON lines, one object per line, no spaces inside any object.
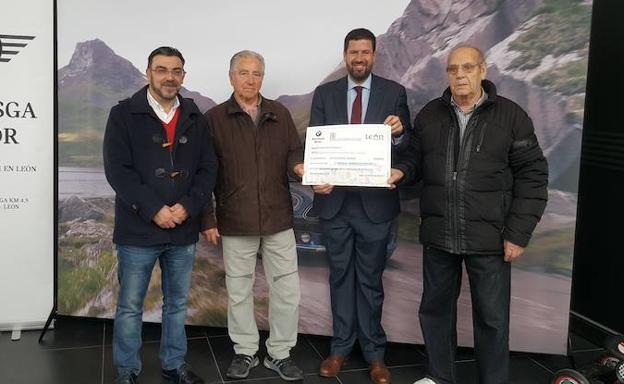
{"x":349,"y":155}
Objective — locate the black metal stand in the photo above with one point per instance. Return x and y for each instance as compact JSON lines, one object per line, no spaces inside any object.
{"x":54,"y":311}
{"x":51,"y":317}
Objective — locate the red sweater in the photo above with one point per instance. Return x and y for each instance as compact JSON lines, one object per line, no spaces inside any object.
{"x":170,"y":128}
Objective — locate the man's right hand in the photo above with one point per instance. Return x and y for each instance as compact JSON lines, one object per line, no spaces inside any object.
{"x":164,"y":218}
{"x":323,"y":189}
{"x":395,"y":176}
{"x":211,"y":235}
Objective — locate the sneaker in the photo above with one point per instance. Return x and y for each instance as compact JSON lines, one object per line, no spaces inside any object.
{"x":182,"y":375}
{"x":426,"y":380}
{"x":285,"y":368}
{"x":129,"y":378}
{"x":241,"y":365}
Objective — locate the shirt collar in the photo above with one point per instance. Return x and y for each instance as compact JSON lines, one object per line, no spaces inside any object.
{"x":241,"y":105}
{"x":366,"y":84}
{"x":481,"y":100}
{"x":151,"y":100}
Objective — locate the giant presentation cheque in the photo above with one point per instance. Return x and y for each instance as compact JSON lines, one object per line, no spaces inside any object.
{"x":348,"y":155}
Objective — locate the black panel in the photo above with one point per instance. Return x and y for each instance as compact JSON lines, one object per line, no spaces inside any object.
{"x":597,"y":288}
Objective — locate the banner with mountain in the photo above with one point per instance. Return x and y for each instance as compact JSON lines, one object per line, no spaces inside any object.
{"x":536,"y":52}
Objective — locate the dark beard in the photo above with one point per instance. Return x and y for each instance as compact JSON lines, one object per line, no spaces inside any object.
{"x":358,"y":78}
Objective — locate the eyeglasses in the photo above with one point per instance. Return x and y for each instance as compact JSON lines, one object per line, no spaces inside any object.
{"x":253,"y":74}
{"x":162,"y":71}
{"x":453,"y":69}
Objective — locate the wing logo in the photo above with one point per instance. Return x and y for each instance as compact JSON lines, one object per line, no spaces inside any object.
{"x":11,"y":45}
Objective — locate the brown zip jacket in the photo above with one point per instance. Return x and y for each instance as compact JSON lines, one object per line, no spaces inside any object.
{"x":252,"y":195}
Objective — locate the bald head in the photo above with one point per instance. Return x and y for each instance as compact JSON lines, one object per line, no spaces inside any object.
{"x":465,"y":49}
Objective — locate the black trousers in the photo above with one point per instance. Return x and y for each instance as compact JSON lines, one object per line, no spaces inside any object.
{"x":490,"y":281}
{"x":356,"y":250}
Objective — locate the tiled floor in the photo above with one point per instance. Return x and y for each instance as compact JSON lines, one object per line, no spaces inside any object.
{"x":79,"y":351}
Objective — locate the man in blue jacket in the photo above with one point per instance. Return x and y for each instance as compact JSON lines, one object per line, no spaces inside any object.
{"x":159,"y":159}
{"x":356,"y":222}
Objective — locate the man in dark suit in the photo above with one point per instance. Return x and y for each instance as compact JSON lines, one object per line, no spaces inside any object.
{"x":356,"y":221}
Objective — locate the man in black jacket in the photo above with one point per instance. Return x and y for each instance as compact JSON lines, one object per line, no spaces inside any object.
{"x":159,"y":159}
{"x":484,"y":190}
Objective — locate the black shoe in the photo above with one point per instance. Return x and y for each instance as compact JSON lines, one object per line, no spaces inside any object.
{"x":182,"y":375}
{"x":285,"y":368}
{"x":127,"y":379}
{"x":241,"y":365}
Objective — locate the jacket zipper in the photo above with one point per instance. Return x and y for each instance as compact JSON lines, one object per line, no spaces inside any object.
{"x":453,"y":193}
{"x":259,"y":183}
{"x":455,"y":227}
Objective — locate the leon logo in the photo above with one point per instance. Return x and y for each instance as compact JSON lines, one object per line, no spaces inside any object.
{"x":11,"y":45}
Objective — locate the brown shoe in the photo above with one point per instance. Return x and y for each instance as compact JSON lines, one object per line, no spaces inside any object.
{"x":331,"y":366}
{"x":379,"y":374}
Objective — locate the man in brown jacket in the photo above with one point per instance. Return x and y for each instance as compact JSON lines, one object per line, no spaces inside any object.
{"x":257,"y":145}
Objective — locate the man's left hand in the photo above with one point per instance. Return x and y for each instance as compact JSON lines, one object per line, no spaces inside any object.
{"x":298,"y":170}
{"x":179,"y":213}
{"x":396,"y":128}
{"x":512,"y":251}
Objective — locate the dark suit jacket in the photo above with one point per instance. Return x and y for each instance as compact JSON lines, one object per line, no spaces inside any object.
{"x":329,"y":107}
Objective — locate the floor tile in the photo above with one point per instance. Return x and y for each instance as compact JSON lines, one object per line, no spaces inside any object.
{"x":578,"y":343}
{"x":400,"y":375}
{"x":78,"y":350}
{"x":36,"y":365}
{"x":521,"y":371}
{"x":464,"y":354}
{"x":308,"y":379}
{"x":398,"y":354}
{"x":552,"y":363}
{"x":583,"y":358}
{"x":524,"y":370}
{"x":199,"y":357}
{"x":69,"y":332}
{"x":215,"y":331}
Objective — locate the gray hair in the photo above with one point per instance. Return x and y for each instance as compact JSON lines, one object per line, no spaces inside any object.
{"x":466,"y":45}
{"x":245,"y":54}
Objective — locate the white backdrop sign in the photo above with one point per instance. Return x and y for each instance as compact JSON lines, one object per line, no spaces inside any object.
{"x":26,"y":163}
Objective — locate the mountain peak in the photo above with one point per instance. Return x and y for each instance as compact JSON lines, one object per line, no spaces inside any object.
{"x":95,"y":62}
{"x":88,"y":53}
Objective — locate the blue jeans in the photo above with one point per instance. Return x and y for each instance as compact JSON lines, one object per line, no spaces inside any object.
{"x":134,"y":272}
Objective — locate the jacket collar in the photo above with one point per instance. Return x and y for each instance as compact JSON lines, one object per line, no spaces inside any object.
{"x":139,"y":105}
{"x":488,"y":87}
{"x":187,"y":108}
{"x":268,"y":111}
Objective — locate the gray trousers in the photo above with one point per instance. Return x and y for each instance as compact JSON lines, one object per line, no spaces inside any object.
{"x":279,"y":259}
